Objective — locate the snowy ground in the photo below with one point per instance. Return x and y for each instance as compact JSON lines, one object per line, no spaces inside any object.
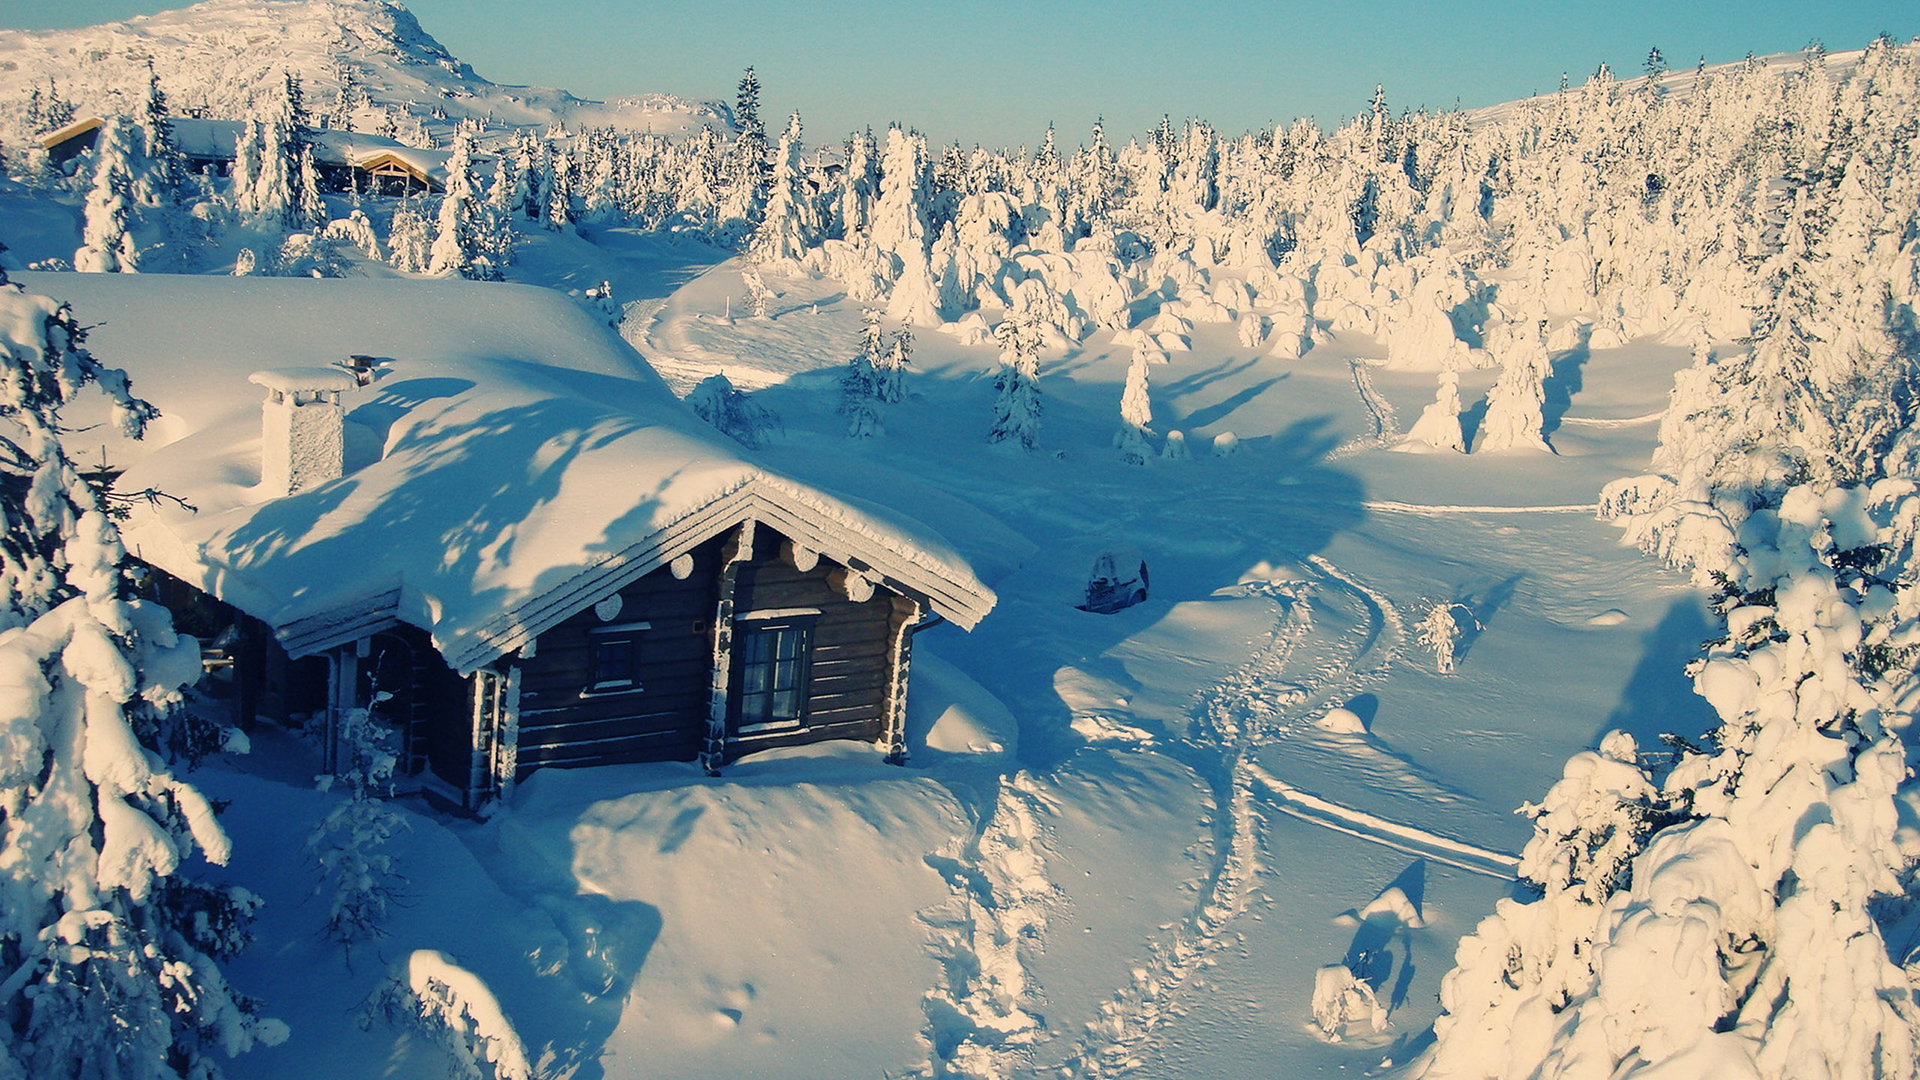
{"x":1126,"y":842}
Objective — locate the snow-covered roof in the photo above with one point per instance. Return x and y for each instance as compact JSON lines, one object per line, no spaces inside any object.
{"x":215,"y":140}
{"x":514,"y":463}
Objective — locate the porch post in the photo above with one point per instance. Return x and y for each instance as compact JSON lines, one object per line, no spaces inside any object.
{"x":480,"y":726}
{"x":906,"y":615}
{"x":506,"y":737}
{"x":738,"y":550}
{"x":343,"y":674}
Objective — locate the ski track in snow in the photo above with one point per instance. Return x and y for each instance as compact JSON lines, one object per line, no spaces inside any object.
{"x":1391,"y":507}
{"x":1602,"y":422}
{"x":1428,"y":845}
{"x":1294,"y":676}
{"x":1380,"y":414}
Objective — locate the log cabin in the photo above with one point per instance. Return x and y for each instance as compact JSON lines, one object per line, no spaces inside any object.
{"x":507,"y":538}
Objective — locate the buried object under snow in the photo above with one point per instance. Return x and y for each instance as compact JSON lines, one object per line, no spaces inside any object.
{"x":1118,"y":581}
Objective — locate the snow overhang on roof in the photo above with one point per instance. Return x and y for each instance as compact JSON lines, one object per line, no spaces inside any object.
{"x":515,"y":464}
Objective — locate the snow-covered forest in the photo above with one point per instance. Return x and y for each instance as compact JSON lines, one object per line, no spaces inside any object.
{"x":1039,"y":350}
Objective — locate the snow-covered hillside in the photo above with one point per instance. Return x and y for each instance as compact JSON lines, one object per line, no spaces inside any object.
{"x":216,"y":57}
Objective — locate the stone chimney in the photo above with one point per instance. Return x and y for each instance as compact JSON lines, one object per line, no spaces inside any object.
{"x":303,"y":432}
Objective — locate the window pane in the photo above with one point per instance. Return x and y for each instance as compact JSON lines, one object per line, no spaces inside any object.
{"x":611,"y":660}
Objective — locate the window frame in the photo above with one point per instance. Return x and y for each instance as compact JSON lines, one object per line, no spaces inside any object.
{"x":599,"y":638}
{"x":749,"y":628}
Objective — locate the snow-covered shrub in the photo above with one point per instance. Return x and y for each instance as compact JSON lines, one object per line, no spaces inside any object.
{"x":306,"y":255}
{"x":1175,"y":447}
{"x":430,"y":994}
{"x":359,"y":879}
{"x":354,"y":229}
{"x":1440,"y":632}
{"x":735,"y":413}
{"x":1341,"y":999}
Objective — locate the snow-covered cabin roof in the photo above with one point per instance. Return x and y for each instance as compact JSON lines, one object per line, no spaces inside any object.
{"x":514,"y":463}
{"x":215,"y":140}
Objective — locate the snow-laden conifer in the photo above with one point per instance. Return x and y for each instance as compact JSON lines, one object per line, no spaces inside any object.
{"x":1439,"y":423}
{"x":783,"y":232}
{"x":465,"y":229}
{"x":107,"y":242}
{"x":1136,"y":412}
{"x":1016,"y":405}
{"x":859,"y":385}
{"x":1515,"y":417}
{"x":112,"y":951}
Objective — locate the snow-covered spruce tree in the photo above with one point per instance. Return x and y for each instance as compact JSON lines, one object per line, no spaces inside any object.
{"x":785,"y":231}
{"x":284,"y":136}
{"x":1745,"y":941}
{"x":735,"y":413}
{"x":558,"y":183}
{"x":111,"y":952}
{"x":244,"y":176}
{"x":860,"y":385}
{"x":890,"y":367}
{"x":107,"y":244}
{"x":1136,"y":412}
{"x":1514,"y":406}
{"x":1439,"y":423}
{"x":465,"y":227}
{"x":158,"y":182}
{"x":745,"y":197}
{"x":1521,"y":967}
{"x":1016,"y":405}
{"x":409,"y":240}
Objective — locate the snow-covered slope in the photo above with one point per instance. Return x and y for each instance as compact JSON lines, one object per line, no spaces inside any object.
{"x":213,"y":57}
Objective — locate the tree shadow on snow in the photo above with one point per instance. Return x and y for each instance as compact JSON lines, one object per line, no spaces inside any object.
{"x":1385,"y":921}
{"x":1223,"y":409}
{"x":1561,"y":385}
{"x":1483,"y":603}
{"x":1658,"y":697}
{"x":607,"y":942}
{"x":1470,"y":419}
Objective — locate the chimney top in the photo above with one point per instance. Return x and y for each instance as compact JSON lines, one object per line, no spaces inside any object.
{"x":292,"y":380}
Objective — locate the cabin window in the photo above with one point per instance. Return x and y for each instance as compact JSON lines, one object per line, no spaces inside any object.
{"x":613,"y":659}
{"x":775,"y":659}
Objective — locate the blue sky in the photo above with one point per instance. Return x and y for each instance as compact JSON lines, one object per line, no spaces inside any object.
{"x":997,"y":71}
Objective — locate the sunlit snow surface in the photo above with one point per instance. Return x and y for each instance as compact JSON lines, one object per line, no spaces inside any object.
{"x":1126,"y":841}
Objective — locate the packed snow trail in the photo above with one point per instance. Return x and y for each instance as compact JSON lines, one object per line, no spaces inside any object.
{"x":1380,"y":415}
{"x":980,"y":1022}
{"x":1294,"y":675}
